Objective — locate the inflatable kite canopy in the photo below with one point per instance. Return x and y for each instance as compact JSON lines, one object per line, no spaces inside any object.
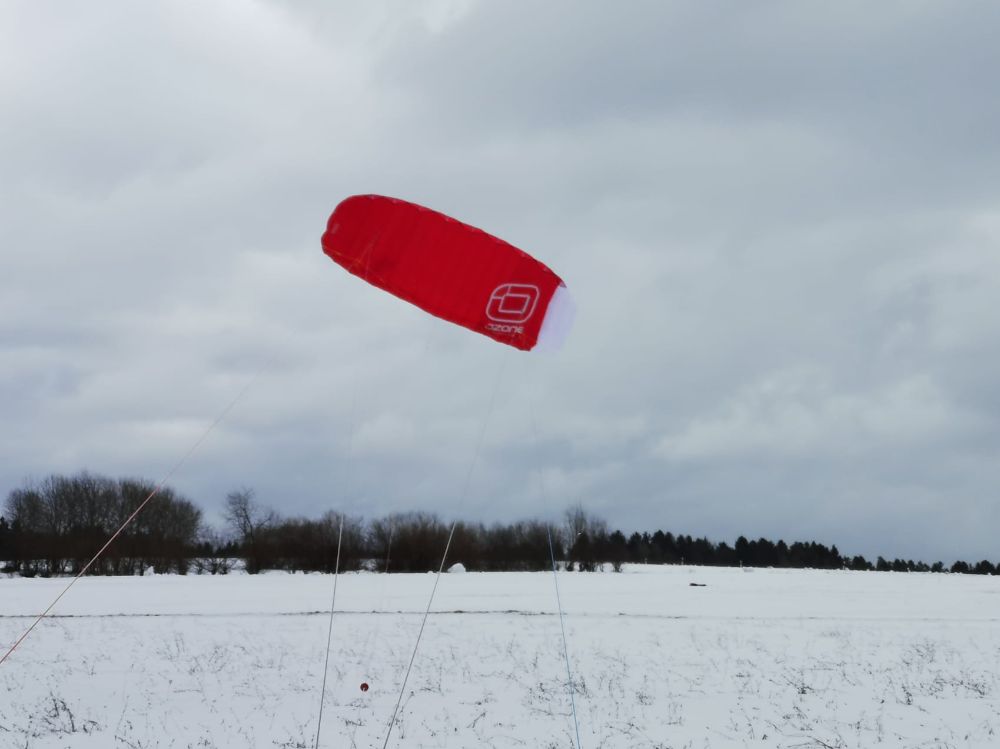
{"x":451,"y":270}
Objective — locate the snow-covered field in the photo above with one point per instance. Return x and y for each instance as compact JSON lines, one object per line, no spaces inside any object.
{"x":755,"y":658}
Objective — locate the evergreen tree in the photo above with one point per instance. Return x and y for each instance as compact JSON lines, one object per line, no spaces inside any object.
{"x":984,"y":567}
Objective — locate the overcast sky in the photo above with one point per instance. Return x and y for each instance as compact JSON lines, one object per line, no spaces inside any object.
{"x":780,"y":222}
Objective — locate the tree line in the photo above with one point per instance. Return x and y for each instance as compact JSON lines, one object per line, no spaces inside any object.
{"x":54,"y":527}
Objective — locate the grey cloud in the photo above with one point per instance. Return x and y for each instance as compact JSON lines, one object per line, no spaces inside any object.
{"x":779,"y":223}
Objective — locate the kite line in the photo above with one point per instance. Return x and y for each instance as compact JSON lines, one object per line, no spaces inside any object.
{"x":329,"y":631}
{"x":135,"y":513}
{"x":447,"y":547}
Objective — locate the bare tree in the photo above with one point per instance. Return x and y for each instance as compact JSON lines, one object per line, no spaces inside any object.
{"x":211,"y":561}
{"x":586,"y":535}
{"x":576,"y":520}
{"x":63,"y":520}
{"x":249,"y":521}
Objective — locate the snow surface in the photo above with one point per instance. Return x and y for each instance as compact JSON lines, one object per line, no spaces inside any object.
{"x":778,"y":658}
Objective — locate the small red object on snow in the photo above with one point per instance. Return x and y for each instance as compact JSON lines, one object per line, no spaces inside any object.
{"x":364,"y":686}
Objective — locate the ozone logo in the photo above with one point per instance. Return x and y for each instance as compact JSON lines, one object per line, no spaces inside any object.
{"x":512,"y":303}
